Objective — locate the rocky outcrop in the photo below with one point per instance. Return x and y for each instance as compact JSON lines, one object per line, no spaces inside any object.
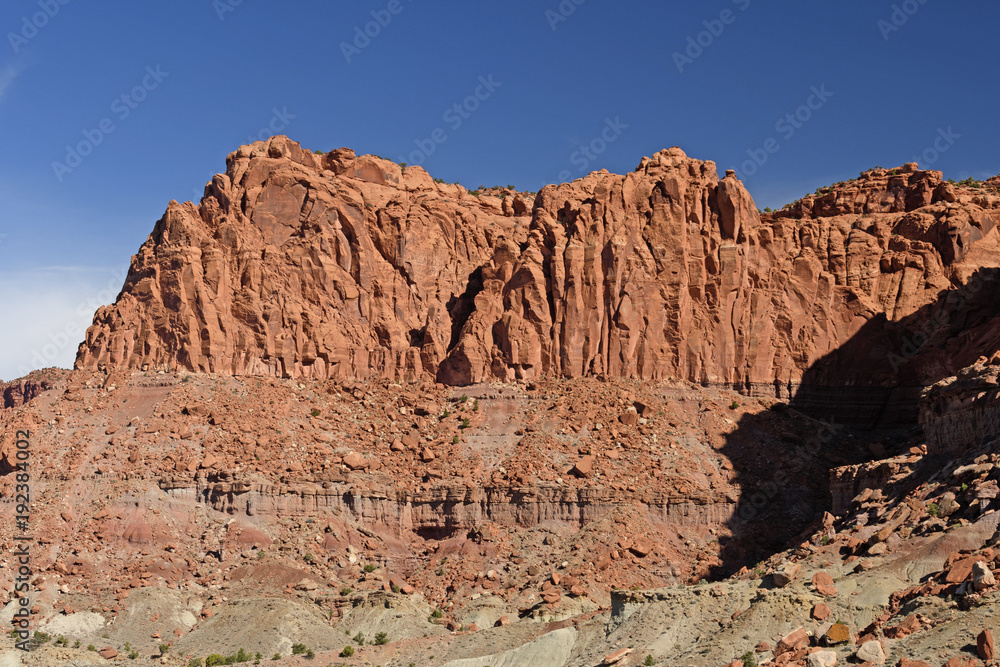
{"x":961,"y":413}
{"x":445,"y":511}
{"x":303,"y":265}
{"x":22,"y":391}
{"x":879,"y":191}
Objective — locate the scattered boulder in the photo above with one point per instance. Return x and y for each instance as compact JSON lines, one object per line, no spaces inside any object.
{"x":871,"y":651}
{"x":616,"y":657}
{"x":837,"y":634}
{"x":984,"y":645}
{"x":793,"y":641}
{"x":823,"y":583}
{"x":786,"y":574}
{"x":822,"y":659}
{"x":982,"y":576}
{"x":584,"y":467}
{"x":355,"y":461}
{"x":820,"y":612}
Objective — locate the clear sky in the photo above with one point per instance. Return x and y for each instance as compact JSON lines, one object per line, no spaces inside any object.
{"x":109,"y":110}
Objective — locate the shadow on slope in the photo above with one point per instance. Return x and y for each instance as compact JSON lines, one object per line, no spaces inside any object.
{"x":855,"y":404}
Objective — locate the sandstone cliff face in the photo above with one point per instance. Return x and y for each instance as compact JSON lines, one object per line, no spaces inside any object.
{"x":301,"y":265}
{"x":960,"y":413}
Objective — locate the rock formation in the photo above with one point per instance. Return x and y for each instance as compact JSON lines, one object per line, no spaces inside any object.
{"x":961,"y":412}
{"x":332,"y":266}
{"x":19,"y":392}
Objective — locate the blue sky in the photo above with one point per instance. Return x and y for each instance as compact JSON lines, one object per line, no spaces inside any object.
{"x":157,"y":94}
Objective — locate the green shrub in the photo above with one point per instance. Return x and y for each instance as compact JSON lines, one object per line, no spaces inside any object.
{"x":348,"y":650}
{"x":345,"y":591}
{"x":298,"y":648}
{"x":734,"y":405}
{"x":932,"y":509}
{"x":315,"y":412}
{"x":91,"y":647}
{"x":369,"y":568}
{"x":164,"y":648}
{"x":437,"y":613}
{"x":77,"y":643}
{"x":395,"y":588}
{"x":359,"y":639}
{"x":195,"y":662}
{"x":463,"y":398}
{"x":41,"y":637}
{"x":215,"y":659}
{"x":276,"y":656}
{"x":748,"y":659}
{"x":465,"y":423}
{"x":310,"y":654}
{"x":381,"y":638}
{"x":649,"y":661}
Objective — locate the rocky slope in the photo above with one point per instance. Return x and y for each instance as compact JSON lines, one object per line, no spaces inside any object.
{"x":184,"y":510}
{"x":338,"y":399}
{"x":336,"y":266}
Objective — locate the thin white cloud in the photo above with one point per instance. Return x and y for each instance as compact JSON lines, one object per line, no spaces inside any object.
{"x":8,"y":73}
{"x":46,"y":314}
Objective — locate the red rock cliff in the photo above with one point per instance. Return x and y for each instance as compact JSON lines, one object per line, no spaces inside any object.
{"x":297,"y":264}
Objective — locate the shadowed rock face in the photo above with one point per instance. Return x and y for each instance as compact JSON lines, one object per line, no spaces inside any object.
{"x":19,"y":392}
{"x":301,"y":265}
